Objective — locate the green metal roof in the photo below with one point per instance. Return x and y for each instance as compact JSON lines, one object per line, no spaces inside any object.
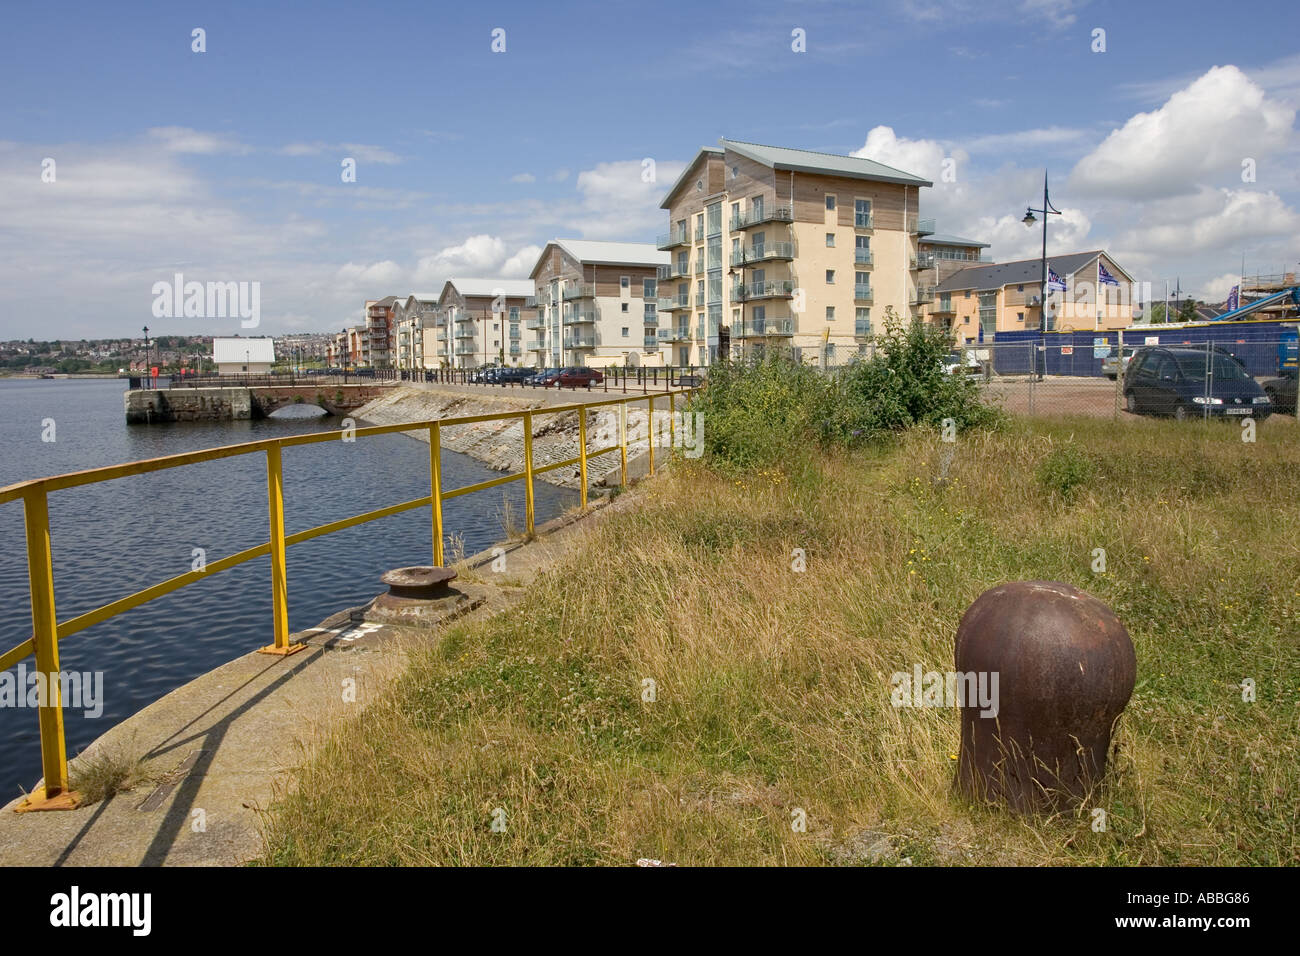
{"x":805,"y":160}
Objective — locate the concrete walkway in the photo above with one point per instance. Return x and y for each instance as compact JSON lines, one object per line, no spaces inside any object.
{"x":219,"y":750}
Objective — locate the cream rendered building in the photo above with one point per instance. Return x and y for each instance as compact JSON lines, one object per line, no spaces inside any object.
{"x":479,"y":322}
{"x":786,"y":248}
{"x":597,"y":305}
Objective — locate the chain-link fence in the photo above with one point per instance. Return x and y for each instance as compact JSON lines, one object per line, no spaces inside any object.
{"x":1223,"y":378}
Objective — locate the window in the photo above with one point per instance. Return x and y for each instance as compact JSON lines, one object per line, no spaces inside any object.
{"x":830,"y":276}
{"x":830,"y":313}
{"x":966,"y":294}
{"x":514,"y":313}
{"x":649,"y":288}
{"x":1020,"y":316}
{"x":830,"y":240}
{"x":625,"y":282}
{"x":715,"y":219}
{"x":625,"y":331}
{"x":1020,"y":288}
{"x":988,"y":312}
{"x":624,"y":305}
{"x":830,"y":203}
{"x":862,"y":213}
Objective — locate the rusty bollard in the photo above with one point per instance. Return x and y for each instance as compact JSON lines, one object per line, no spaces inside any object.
{"x":1065,"y":669}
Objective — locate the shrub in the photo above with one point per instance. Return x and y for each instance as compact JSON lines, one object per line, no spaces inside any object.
{"x":1065,"y":470}
{"x":773,"y":410}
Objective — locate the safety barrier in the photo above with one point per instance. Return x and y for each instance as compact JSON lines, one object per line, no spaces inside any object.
{"x":47,"y":630}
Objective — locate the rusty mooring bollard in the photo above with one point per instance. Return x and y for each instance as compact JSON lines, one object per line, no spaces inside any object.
{"x":1065,"y":669}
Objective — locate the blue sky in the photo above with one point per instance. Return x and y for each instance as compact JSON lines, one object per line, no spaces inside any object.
{"x":225,"y":165}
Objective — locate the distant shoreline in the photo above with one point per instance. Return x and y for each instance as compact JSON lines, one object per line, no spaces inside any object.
{"x":27,"y":376}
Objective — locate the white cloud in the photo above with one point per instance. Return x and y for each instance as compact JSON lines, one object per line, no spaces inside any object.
{"x":182,"y":139}
{"x":1202,"y":132}
{"x":358,"y":151}
{"x":920,"y":157}
{"x":523,"y":178}
{"x":618,"y":203}
{"x":559,"y":176}
{"x":1214,"y":220}
{"x":521,"y":263}
{"x":1216,"y":289}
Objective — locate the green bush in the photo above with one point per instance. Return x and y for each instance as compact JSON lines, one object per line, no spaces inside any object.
{"x":770,"y":411}
{"x":1065,"y":470}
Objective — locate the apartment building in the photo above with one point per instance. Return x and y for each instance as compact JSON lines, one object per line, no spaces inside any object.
{"x":479,"y":322}
{"x":940,"y":255}
{"x":778,"y":248}
{"x":598,"y":305}
{"x":377,"y":350}
{"x":981,"y":300}
{"x":410,"y":317}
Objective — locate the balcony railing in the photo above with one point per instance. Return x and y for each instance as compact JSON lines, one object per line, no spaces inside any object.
{"x":514,"y":333}
{"x":465,"y":349}
{"x":758,"y":217}
{"x":767,"y":251}
{"x":537,"y":345}
{"x":464,"y":332}
{"x":675,"y":303}
{"x":702,"y":330}
{"x":863,"y":257}
{"x":774,"y":289}
{"x":864,"y":220}
{"x":699,"y":233}
{"x":582,"y":290}
{"x":923,"y":295}
{"x":679,"y":334}
{"x":862,"y":293}
{"x":530,"y":302}
{"x":861,"y":328}
{"x":924,"y":261}
{"x":536,"y":324}
{"x":763,"y":328}
{"x":923,"y":227}
{"x":675,"y":270}
{"x":650,"y":344}
{"x":670,"y":240}
{"x":580,"y":341}
{"x":514,"y":348}
{"x":580,"y":318}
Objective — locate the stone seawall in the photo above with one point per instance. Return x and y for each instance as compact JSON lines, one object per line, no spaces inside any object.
{"x":500,"y":445}
{"x":150,"y":406}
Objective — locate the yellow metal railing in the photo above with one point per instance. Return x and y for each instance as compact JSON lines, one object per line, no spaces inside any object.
{"x":47,"y":630}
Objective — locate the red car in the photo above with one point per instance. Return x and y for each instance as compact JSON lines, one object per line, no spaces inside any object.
{"x":579,"y":377}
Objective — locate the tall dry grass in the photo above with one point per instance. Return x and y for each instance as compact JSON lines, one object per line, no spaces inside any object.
{"x":772,"y":685}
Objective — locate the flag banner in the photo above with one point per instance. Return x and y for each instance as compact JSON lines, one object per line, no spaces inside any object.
{"x":1054,"y":282}
{"x":1234,"y":298}
{"x":1104,"y":277}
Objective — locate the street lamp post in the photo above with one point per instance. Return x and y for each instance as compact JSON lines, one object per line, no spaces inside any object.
{"x":1047,"y":210}
{"x":148,"y":377}
{"x":347,"y":355}
{"x":731,"y":274}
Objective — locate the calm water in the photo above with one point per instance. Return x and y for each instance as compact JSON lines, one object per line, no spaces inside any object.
{"x":118,"y":537}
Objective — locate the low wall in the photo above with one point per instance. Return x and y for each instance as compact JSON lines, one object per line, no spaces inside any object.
{"x":153,"y":406}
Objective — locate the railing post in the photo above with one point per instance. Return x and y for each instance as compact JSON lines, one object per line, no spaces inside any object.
{"x":622,"y":441}
{"x":528,"y":472}
{"x":582,"y":454}
{"x":650,"y":431}
{"x":279,"y":573}
{"x":435,"y":489}
{"x":672,"y":421}
{"x":55,"y":793}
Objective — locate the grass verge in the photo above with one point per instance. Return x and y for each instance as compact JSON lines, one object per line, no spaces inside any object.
{"x":771,"y":689}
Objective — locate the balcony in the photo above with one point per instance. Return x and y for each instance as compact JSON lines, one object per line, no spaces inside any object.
{"x":580,"y":341}
{"x":514,"y":348}
{"x":679,"y":334}
{"x":580,"y":318}
{"x":465,"y":349}
{"x":923,"y":227}
{"x":758,"y":217}
{"x":530,"y":302}
{"x":862,"y":293}
{"x":674,"y":303}
{"x":651,"y":344}
{"x":537,"y":345}
{"x":864,"y":220}
{"x":769,"y":251}
{"x":514,"y":333}
{"x":464,"y":332}
{"x":766,"y":328}
{"x":701,"y":329}
{"x":923,"y":295}
{"x":775,"y":289}
{"x":673,"y":239}
{"x":863,"y":257}
{"x":862,"y":328}
{"x":924,"y":261}
{"x":676,"y":270}
{"x":582,"y":290}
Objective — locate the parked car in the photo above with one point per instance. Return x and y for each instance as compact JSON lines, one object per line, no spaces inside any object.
{"x":690,"y":381}
{"x":965,"y":362}
{"x":364,"y":372}
{"x":518,"y":375}
{"x":545,"y":378}
{"x":578,"y":377}
{"x":1281,"y":391}
{"x":1168,"y":380}
{"x":1110,"y":366}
